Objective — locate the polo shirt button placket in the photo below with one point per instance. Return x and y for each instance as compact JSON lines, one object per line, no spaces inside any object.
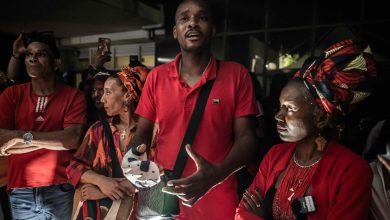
{"x":188,"y":103}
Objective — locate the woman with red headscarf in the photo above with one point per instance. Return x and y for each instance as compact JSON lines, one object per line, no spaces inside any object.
{"x":313,"y":176}
{"x":95,"y":167}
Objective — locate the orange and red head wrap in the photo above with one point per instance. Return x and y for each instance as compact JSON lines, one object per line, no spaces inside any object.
{"x":133,"y":78}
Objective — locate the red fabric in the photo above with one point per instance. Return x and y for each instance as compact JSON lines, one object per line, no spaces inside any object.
{"x":341,"y":76}
{"x":133,"y":79}
{"x":3,"y":171}
{"x":294,"y":185}
{"x":66,"y":106}
{"x":93,"y":153}
{"x":167,"y":99}
{"x":341,"y":184}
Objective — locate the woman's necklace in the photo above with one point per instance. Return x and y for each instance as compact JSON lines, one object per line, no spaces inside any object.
{"x":124,"y":130}
{"x":304,"y":166}
{"x":124,"y":133}
{"x":294,"y":184}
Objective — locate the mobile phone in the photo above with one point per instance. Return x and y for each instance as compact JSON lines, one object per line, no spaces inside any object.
{"x":104,"y":45}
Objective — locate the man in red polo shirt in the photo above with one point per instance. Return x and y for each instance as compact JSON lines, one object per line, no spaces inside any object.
{"x":40,"y":123}
{"x":225,"y":139}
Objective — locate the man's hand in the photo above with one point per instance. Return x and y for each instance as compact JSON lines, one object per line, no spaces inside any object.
{"x":253,"y":202}
{"x":192,"y":188}
{"x":16,"y":146}
{"x":91,"y":192}
{"x":141,"y":149}
{"x":22,"y":149}
{"x":385,"y":162}
{"x":99,"y":58}
{"x":18,"y":46}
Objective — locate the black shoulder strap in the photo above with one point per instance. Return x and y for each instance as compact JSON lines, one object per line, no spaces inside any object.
{"x":116,"y":169}
{"x":192,"y":127}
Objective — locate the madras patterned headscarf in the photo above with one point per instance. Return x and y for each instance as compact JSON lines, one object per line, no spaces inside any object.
{"x":341,"y":76}
{"x":133,"y":78}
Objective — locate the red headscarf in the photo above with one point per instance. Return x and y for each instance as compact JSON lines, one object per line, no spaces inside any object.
{"x":133,"y":78}
{"x":342,"y":75}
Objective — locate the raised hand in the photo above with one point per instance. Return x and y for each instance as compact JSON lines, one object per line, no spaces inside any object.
{"x":192,"y":188}
{"x":99,"y":58}
{"x":18,"y":46}
{"x":253,"y":202}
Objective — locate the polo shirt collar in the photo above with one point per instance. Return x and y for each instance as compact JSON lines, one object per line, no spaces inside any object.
{"x":209,"y":74}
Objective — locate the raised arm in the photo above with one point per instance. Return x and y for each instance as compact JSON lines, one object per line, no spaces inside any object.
{"x":13,"y":70}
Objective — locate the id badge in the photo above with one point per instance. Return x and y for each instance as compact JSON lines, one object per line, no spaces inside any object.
{"x":304,"y":205}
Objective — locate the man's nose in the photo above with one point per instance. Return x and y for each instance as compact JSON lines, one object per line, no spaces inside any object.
{"x":33,"y":58}
{"x":194,"y":21}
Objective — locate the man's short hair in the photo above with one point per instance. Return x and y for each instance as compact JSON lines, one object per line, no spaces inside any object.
{"x":204,"y":3}
{"x":46,"y":37}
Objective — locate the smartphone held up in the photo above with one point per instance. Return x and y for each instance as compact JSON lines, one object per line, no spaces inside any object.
{"x":104,"y":45}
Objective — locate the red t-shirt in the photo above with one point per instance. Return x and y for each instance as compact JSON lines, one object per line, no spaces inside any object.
{"x":23,"y":110}
{"x":169,"y":100}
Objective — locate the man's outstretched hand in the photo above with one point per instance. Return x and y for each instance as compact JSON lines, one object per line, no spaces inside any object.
{"x":192,"y":188}
{"x":385,"y":162}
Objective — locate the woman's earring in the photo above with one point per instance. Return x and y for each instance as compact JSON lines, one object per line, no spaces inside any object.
{"x":126,"y":108}
{"x":320,"y":142}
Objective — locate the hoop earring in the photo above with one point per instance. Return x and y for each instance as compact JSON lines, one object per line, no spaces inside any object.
{"x":320,"y":142}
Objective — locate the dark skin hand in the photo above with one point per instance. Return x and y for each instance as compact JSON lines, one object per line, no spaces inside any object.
{"x":253,"y":202}
{"x":99,"y":58}
{"x":192,"y":188}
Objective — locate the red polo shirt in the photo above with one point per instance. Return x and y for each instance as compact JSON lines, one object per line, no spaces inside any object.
{"x":168,"y":100}
{"x":23,"y":110}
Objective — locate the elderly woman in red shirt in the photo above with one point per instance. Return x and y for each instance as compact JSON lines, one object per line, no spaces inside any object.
{"x":313,"y":176}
